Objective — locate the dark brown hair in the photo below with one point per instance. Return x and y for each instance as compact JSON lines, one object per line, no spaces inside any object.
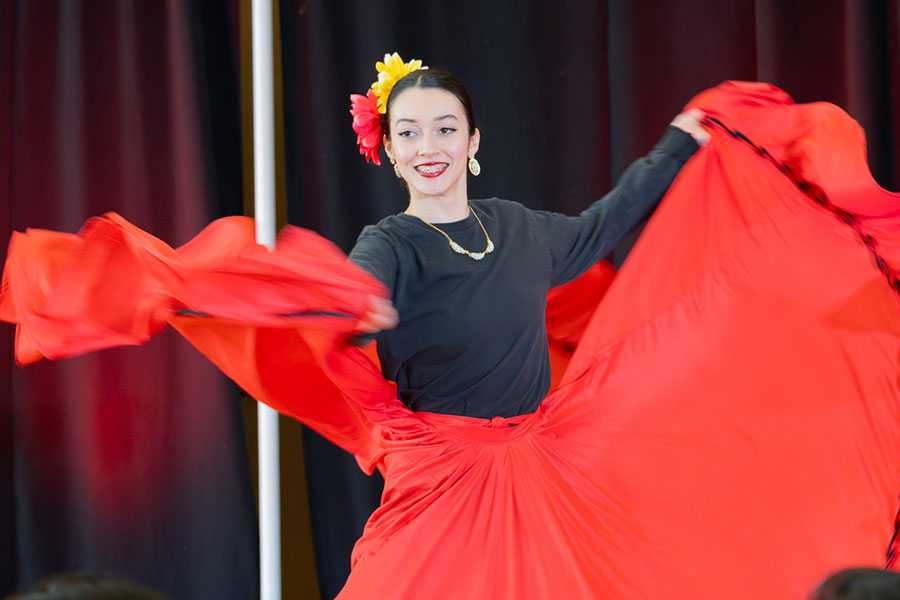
{"x":430,"y":78}
{"x":860,"y":584}
{"x":86,"y":586}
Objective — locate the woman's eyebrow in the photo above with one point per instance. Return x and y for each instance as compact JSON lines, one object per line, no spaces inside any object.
{"x":440,"y":118}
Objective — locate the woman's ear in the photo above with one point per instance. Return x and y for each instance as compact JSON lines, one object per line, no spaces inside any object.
{"x":388,"y":149}
{"x":474,"y":142}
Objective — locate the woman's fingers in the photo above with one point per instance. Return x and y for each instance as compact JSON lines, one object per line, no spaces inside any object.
{"x":381,"y":315}
{"x":689,"y":122}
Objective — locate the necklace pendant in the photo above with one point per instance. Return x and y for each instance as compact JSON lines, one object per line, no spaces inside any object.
{"x":459,"y":249}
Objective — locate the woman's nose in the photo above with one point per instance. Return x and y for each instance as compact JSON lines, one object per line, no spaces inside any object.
{"x":427,"y":144}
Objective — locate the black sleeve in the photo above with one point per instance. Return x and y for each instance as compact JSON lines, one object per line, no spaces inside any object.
{"x":576,"y":243}
{"x":374,"y":253}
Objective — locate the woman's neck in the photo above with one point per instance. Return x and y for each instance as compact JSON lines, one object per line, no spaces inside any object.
{"x":434,"y":209}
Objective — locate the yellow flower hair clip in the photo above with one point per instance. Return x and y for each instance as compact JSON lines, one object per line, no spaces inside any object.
{"x":390,"y":72}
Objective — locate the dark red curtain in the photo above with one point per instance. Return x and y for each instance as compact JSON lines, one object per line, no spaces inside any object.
{"x":8,"y":555}
{"x":566,"y":95}
{"x":130,"y":461}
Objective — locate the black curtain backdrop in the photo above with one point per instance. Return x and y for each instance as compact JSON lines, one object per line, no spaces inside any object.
{"x":566,"y":95}
{"x":130,"y":462}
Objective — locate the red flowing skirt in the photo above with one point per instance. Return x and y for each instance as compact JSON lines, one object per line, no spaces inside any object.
{"x":728,"y":427}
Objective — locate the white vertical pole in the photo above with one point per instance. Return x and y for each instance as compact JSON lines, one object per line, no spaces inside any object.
{"x":264,"y":212}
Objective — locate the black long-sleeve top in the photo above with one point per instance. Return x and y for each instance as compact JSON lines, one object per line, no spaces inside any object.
{"x":471,"y":339}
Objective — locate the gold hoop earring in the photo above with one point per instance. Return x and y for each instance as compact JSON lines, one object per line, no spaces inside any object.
{"x":396,"y":169}
{"x":474,"y":167}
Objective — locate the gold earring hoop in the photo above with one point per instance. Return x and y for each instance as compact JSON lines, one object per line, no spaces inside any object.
{"x":396,"y":169}
{"x":474,"y":166}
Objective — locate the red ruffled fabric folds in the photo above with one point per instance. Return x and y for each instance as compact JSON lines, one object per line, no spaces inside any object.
{"x":250,"y":310}
{"x":727,"y":427}
{"x":113,"y":284}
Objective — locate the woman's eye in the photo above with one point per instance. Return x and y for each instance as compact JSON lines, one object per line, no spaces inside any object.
{"x":446,"y":130}
{"x":406,"y":133}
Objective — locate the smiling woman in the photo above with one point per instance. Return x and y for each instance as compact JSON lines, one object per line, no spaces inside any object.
{"x":428,"y":140}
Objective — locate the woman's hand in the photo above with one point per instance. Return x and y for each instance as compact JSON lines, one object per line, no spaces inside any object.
{"x":381,"y":315}
{"x":689,"y":122}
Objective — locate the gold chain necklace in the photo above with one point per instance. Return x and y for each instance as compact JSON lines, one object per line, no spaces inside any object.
{"x":456,"y":247}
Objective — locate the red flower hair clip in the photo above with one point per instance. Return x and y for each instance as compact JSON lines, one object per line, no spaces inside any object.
{"x":367,"y":125}
{"x":367,"y":110}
